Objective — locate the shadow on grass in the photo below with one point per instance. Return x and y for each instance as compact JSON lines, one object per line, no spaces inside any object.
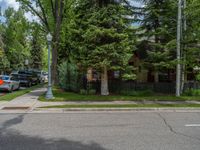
{"x":12,"y":140}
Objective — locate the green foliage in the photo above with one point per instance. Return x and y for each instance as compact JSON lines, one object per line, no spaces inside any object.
{"x":68,"y":76}
{"x":192,"y":92}
{"x":37,"y":45}
{"x":45,"y":59}
{"x":101,"y":37}
{"x":83,"y":92}
{"x":15,"y":39}
{"x":91,"y":91}
{"x":87,"y":92}
{"x":129,"y":76}
{"x":158,"y":29}
{"x":198,"y":77}
{"x":137,"y":93}
{"x":4,"y":63}
{"x":192,"y":34}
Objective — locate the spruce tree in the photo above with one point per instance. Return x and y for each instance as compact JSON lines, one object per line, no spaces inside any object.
{"x":102,"y":37}
{"x":158,"y":31}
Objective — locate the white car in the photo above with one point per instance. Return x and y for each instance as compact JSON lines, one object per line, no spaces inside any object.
{"x":45,"y":74}
{"x":9,"y":83}
{"x":41,"y":75}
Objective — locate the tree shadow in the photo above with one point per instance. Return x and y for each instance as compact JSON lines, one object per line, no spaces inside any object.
{"x":11,"y":139}
{"x":37,"y":92}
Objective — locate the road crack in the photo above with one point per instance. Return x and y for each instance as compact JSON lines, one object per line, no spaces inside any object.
{"x":174,"y":131}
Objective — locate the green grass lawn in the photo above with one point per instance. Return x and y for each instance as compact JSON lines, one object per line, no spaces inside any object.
{"x":69,"y":96}
{"x":125,"y":106}
{"x":10,"y":96}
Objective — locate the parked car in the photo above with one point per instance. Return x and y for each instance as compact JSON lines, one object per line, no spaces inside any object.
{"x":45,"y":74}
{"x":35,"y":79}
{"x":24,"y":79}
{"x":9,"y":83}
{"x":41,"y":76}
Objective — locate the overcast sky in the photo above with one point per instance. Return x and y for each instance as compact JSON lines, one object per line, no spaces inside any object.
{"x":12,"y":3}
{"x":9,"y":3}
{"x":4,"y":4}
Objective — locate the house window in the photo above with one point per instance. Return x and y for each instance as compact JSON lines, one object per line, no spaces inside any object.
{"x":116,"y":74}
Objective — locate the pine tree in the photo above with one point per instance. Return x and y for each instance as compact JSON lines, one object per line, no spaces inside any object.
{"x":192,"y":36}
{"x":36,"y":47}
{"x":158,"y":30}
{"x":103,"y":37}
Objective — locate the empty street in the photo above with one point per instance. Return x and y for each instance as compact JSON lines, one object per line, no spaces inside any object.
{"x":100,"y":131}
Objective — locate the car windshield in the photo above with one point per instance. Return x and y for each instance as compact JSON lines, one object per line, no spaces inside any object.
{"x":4,"y":77}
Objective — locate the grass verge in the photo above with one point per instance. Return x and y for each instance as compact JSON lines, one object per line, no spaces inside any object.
{"x":125,"y":106}
{"x":10,"y":96}
{"x":69,"y":96}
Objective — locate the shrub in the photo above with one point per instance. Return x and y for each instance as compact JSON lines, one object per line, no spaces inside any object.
{"x":91,"y":91}
{"x":137,"y":93}
{"x":68,"y":77}
{"x":192,"y":92}
{"x":88,"y":92}
{"x":83,"y":92}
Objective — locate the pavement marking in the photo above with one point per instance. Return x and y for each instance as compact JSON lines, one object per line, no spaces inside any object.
{"x":192,"y":125}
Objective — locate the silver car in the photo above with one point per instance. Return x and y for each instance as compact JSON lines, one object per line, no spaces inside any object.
{"x":9,"y":83}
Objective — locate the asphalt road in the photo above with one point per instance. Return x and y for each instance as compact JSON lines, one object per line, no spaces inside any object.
{"x":100,"y":131}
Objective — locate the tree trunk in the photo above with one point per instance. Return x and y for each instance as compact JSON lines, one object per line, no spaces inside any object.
{"x":156,"y":77}
{"x":104,"y":81}
{"x":58,"y":22}
{"x":54,"y":63}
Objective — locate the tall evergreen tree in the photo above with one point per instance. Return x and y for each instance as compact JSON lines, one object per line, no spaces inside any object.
{"x":103,"y":37}
{"x":158,"y":30}
{"x":192,"y":35}
{"x":36,"y":47}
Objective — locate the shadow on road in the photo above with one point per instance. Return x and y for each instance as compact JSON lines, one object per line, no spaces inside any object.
{"x":11,"y":139}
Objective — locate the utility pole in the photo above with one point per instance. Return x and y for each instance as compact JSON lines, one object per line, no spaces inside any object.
{"x":184,"y":47}
{"x":178,"y":50}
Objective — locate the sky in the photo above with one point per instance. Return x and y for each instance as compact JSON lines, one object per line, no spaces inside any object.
{"x":12,"y":3}
{"x":4,"y":4}
{"x":9,"y":3}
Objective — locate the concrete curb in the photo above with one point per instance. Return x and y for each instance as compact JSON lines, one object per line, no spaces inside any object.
{"x":100,"y":110}
{"x":63,"y":110}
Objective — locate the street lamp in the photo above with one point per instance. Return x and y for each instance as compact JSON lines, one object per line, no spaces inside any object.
{"x":49,"y":94}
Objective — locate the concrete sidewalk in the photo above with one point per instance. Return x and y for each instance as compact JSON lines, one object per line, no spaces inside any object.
{"x":22,"y":103}
{"x":29,"y":103}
